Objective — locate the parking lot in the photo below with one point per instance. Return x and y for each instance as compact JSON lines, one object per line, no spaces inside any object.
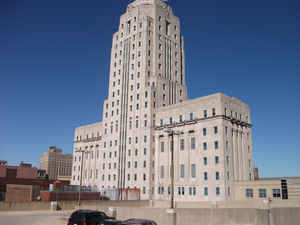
{"x":34,"y":218}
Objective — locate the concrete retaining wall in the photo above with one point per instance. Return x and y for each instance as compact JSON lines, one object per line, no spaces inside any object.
{"x":183,"y":216}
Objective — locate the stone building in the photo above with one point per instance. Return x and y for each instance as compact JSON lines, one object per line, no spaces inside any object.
{"x":55,"y":163}
{"x":147,"y":93}
{"x":276,"y":188}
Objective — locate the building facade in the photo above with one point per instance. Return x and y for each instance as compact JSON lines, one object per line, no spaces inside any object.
{"x":23,"y":171}
{"x":55,"y":163}
{"x":277,"y":188}
{"x":147,"y":92}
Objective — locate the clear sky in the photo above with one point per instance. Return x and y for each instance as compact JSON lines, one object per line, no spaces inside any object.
{"x":54,"y":70}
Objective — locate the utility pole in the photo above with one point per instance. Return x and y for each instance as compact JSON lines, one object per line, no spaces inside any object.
{"x":81,"y":169}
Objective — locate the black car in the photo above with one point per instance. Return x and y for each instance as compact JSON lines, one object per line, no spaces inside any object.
{"x":111,"y":222}
{"x":138,"y":222}
{"x":87,"y":217}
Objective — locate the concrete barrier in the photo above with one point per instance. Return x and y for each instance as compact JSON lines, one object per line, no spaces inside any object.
{"x":212,"y":215}
{"x":15,"y":206}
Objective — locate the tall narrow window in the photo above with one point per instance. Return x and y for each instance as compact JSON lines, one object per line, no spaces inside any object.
{"x":204,"y":131}
{"x":213,"y":112}
{"x":182,"y":171}
{"x":205,"y":161}
{"x":162,"y":146}
{"x":205,"y":176}
{"x":193,"y":143}
{"x":193,"y":170}
{"x":182,"y":144}
{"x":206,"y":191}
{"x":191,"y":116}
{"x":168,"y":28}
{"x":217,"y":176}
{"x":217,"y":191}
{"x":162,"y":172}
{"x":180,"y":118}
{"x":216,"y":130}
{"x":216,"y":144}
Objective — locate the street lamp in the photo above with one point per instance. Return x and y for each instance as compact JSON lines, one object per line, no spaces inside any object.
{"x":172,"y":133}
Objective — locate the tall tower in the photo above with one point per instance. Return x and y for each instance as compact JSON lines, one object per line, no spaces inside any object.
{"x":147,"y":93}
{"x":147,"y":71}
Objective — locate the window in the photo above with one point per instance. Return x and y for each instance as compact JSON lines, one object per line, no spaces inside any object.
{"x":161,"y":122}
{"x":204,"y":146}
{"x":128,"y":164}
{"x":205,"y":161}
{"x":162,"y":146}
{"x":162,"y":172}
{"x":193,"y":143}
{"x":205,"y":176}
{"x":204,"y":131}
{"x":276,"y":193}
{"x":217,"y":176}
{"x":215,"y":130}
{"x":168,"y":28}
{"x":145,"y":139}
{"x":213,"y":111}
{"x":249,"y":192}
{"x":217,"y":191}
{"x":205,"y":191}
{"x":182,"y":144}
{"x":216,"y":144}
{"x":262,"y":193}
{"x":193,"y":170}
{"x":190,"y":190}
{"x":191,"y":116}
{"x":145,"y":165}
{"x":135,"y":164}
{"x":217,"y":159}
{"x":205,"y":113}
{"x":182,"y":171}
{"x":171,"y":120}
{"x":180,"y":118}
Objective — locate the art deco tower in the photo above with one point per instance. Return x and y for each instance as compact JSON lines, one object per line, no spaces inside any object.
{"x":147,"y":71}
{"x":147,"y":93}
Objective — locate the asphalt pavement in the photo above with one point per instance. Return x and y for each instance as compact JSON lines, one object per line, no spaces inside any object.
{"x":34,"y":218}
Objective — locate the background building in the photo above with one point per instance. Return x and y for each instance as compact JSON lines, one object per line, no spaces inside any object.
{"x":21,"y":183}
{"x":268,"y":188}
{"x":23,"y":171}
{"x":147,"y":92}
{"x":55,"y":163}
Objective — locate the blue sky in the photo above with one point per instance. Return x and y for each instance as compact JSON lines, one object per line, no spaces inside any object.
{"x":54,"y":68}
